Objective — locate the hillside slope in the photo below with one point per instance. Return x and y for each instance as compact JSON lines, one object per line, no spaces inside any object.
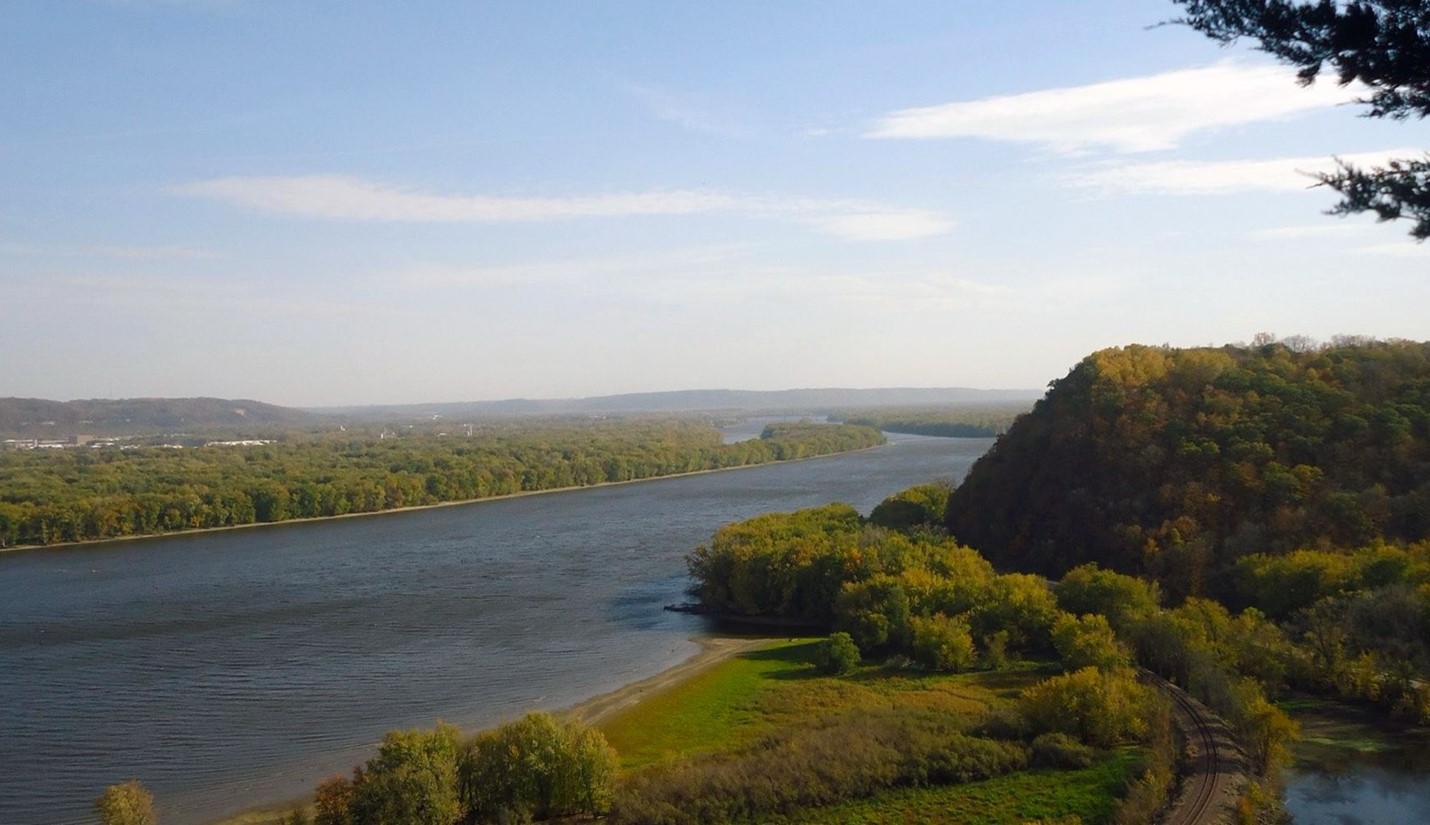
{"x":36,"y":417}
{"x":1175,"y":462}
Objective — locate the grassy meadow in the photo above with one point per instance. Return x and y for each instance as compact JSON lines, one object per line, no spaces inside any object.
{"x":774,"y":688}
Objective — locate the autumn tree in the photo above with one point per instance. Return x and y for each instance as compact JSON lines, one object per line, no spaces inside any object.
{"x":1097,"y":707}
{"x":1088,"y":641}
{"x":411,"y":781}
{"x":942,"y":642}
{"x":1383,"y":44}
{"x":128,"y":803}
{"x":538,"y":766}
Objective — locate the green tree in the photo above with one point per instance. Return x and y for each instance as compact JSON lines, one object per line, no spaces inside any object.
{"x":537,"y":766}
{"x":1097,"y":707}
{"x":837,"y":654}
{"x":1384,"y":44}
{"x":128,"y":803}
{"x":942,"y":642}
{"x":1121,"y":598}
{"x":411,"y":781}
{"x":1088,"y":641}
{"x":921,"y":505}
{"x":875,"y":613}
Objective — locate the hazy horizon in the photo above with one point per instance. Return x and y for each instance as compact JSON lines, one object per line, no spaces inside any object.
{"x":1008,"y":391}
{"x":394,"y":203}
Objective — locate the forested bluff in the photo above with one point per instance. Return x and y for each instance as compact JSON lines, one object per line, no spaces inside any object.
{"x":1285,"y":478}
{"x":58,"y":496}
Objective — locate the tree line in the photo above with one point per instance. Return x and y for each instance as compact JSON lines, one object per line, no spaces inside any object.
{"x":538,"y":767}
{"x":55,"y":496}
{"x":978,"y":421}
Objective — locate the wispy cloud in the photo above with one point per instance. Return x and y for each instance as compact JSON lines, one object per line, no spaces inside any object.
{"x":1325,"y":229}
{"x":690,"y":116}
{"x":682,"y":263}
{"x":1395,"y":250}
{"x":147,"y":253}
{"x":902,"y":225}
{"x":1358,"y":237}
{"x":1137,"y":114}
{"x":354,"y":199}
{"x":1223,"y":177}
{"x":152,"y":253}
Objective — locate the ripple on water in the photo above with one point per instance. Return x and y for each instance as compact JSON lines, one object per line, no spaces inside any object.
{"x":236,"y":668}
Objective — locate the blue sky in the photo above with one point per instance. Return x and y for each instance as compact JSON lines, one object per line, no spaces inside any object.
{"x":345,"y":203}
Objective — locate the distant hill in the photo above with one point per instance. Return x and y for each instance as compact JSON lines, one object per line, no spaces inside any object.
{"x":38,"y":418}
{"x":755,"y":401}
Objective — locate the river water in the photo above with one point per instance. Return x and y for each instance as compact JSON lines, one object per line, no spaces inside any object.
{"x":1352,"y":769}
{"x":238,"y":668}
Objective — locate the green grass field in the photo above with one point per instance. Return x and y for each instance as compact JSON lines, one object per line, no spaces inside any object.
{"x":754,"y":692}
{"x":774,"y":686}
{"x":1054,"y":796}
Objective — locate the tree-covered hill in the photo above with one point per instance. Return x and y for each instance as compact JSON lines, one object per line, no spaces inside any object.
{"x":37,"y":417}
{"x":1174,"y":463}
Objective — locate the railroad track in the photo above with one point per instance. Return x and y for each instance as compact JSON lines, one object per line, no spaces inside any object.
{"x":1195,"y":805}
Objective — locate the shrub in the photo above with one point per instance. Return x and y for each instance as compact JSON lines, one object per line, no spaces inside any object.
{"x":837,"y":654}
{"x":845,"y":757}
{"x":1058,"y":750}
{"x":1097,"y":707}
{"x":1087,"y":641}
{"x":942,"y":642}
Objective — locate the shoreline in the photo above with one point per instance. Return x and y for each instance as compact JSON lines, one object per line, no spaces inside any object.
{"x":417,"y":507}
{"x":712,"y":651}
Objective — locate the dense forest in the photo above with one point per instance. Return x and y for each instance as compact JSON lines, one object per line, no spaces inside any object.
{"x":51,"y":496}
{"x":1178,"y":462}
{"x":1284,"y":477}
{"x":914,"y":597}
{"x":970,"y":421}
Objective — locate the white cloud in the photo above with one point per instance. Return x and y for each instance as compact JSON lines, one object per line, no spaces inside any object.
{"x":148,"y":253}
{"x":1223,"y":177}
{"x":707,"y":260}
{"x":151,"y":253}
{"x":1402,"y":249}
{"x":672,"y":109}
{"x":1328,"y":229}
{"x":885,"y":226}
{"x":1132,"y":115}
{"x":354,"y":199}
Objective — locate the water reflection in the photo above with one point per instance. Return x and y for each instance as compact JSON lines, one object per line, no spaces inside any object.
{"x":1352,"y":771}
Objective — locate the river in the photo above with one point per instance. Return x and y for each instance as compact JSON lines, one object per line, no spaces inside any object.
{"x":1352,"y":768}
{"x":231,"y":669}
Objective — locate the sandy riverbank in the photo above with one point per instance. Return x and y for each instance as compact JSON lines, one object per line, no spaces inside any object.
{"x":593,"y":711}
